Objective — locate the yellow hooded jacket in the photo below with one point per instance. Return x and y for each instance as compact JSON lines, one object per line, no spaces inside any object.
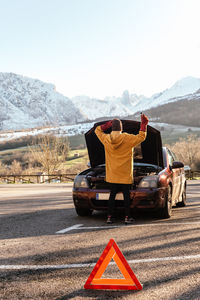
{"x":119,"y":154}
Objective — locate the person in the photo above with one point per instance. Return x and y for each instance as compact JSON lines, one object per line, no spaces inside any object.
{"x":118,"y":147}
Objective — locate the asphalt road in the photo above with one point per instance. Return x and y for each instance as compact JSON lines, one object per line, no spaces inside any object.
{"x":48,"y":252}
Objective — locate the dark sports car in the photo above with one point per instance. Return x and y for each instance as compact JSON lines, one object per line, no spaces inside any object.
{"x":159,"y":180}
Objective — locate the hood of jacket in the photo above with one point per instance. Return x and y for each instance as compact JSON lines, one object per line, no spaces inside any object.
{"x":115,"y":139}
{"x":151,"y":148}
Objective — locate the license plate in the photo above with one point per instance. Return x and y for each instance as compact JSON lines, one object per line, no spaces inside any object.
{"x":105,"y":196}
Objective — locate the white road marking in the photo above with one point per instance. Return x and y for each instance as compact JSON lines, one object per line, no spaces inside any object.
{"x":70,"y":228}
{"x":79,"y":226}
{"x":72,"y":266}
{"x":100,"y":227}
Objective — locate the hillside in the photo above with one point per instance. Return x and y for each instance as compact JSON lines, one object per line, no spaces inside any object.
{"x":183,"y":112}
{"x":128,"y":104}
{"x":93,"y":108}
{"x":30,"y":103}
{"x":185,"y":87}
{"x":27,"y":102}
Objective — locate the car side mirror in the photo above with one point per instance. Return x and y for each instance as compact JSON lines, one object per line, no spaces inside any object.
{"x":177,"y":164}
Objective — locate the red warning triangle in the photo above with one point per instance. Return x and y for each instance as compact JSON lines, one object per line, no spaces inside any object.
{"x":95,"y":280}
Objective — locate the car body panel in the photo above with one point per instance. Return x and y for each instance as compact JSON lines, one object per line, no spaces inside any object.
{"x":140,"y":198}
{"x":178,"y":179}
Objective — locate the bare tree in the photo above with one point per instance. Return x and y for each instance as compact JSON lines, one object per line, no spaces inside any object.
{"x":50,"y":152}
{"x":3,"y":169}
{"x":16,"y":168}
{"x":187,"y":149}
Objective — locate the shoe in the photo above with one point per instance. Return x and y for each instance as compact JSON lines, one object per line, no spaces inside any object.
{"x":109,"y":220}
{"x":128,"y":220}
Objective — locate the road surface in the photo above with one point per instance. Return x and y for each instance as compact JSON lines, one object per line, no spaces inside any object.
{"x":48,"y":252}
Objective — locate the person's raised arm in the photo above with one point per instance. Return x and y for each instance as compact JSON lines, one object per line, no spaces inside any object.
{"x":99,"y":131}
{"x":144,"y":122}
{"x":135,"y":140}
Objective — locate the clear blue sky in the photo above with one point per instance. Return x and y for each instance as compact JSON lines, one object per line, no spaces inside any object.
{"x":101,"y":47}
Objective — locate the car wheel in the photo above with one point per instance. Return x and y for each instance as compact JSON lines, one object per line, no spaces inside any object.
{"x":83,"y":212}
{"x":166,"y":211}
{"x":183,"y":202}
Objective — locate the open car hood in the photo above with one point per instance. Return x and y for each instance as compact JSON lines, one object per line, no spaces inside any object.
{"x":151,"y":148}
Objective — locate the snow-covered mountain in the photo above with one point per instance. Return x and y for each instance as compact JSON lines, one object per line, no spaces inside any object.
{"x":92,"y":108}
{"x":183,"y":110}
{"x":129,"y":104}
{"x":185,"y":86}
{"x":27,"y":102}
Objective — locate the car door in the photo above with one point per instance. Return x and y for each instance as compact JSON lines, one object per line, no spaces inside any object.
{"x":176,"y":178}
{"x":181,"y":178}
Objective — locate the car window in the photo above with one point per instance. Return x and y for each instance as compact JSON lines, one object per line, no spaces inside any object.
{"x":170,"y":157}
{"x":173,"y":155}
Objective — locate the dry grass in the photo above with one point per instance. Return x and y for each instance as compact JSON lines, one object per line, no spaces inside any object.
{"x":19,"y":160}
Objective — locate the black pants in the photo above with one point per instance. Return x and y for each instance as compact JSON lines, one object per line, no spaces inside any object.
{"x":115,"y":188}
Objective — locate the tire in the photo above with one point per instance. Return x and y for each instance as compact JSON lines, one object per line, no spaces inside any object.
{"x":166,"y":211}
{"x":83,"y":212}
{"x":183,"y":202}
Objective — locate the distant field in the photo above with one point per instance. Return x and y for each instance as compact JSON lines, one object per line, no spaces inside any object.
{"x":77,"y":141}
{"x":9,"y":155}
{"x":75,"y":133}
{"x":171,"y":137}
{"x":78,"y":157}
{"x":76,"y":161}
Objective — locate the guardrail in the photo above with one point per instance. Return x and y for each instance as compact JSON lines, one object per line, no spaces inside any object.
{"x":62,"y":178}
{"x":37,"y":178}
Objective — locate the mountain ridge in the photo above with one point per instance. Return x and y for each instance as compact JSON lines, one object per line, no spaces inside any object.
{"x":29,"y":103}
{"x":184,"y":111}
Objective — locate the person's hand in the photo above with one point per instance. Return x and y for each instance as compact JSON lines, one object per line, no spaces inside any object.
{"x":144,"y":119}
{"x":106,"y":125}
{"x":144,"y":122}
